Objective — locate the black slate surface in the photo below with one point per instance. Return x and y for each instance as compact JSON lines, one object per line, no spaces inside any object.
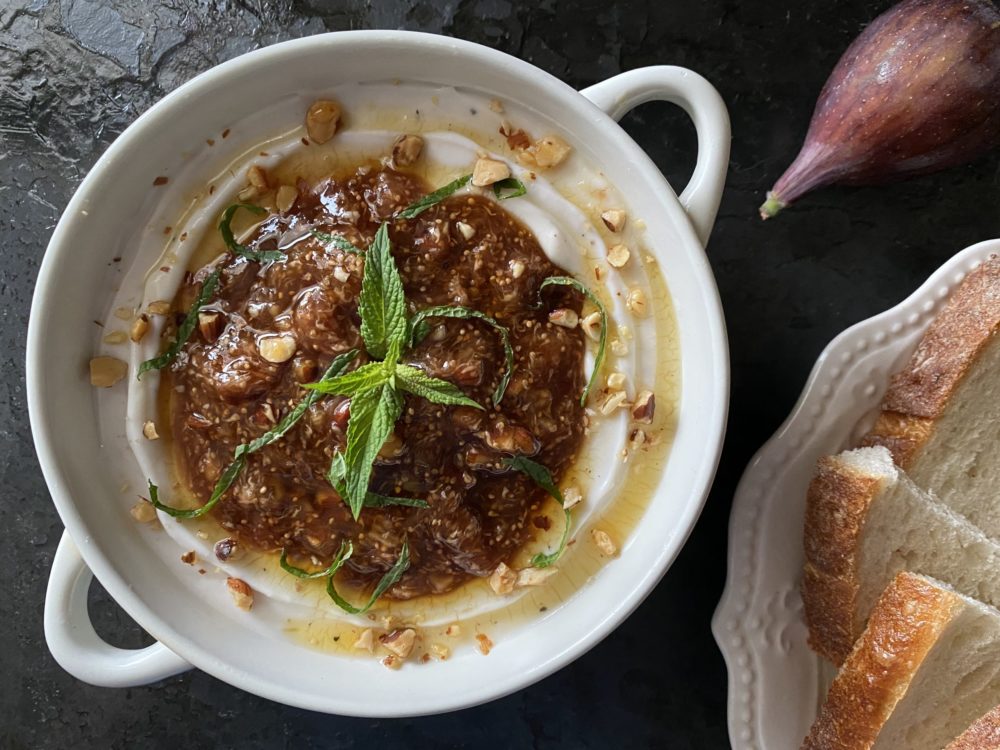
{"x":74,"y":74}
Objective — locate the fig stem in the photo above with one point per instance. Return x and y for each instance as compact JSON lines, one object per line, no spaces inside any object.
{"x":771,"y":206}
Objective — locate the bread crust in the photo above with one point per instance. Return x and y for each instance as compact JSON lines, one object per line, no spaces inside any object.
{"x":908,"y":619}
{"x":837,"y":505}
{"x":984,"y":734}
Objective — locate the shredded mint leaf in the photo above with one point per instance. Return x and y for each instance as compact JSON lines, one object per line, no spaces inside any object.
{"x":599,"y":359}
{"x":382,"y":304}
{"x":374,"y":500}
{"x":437,"y":196}
{"x":541,"y":476}
{"x":511,"y":187}
{"x":390,"y":578}
{"x":226,"y":229}
{"x":337,"y":241}
{"x":437,"y":391}
{"x":364,"y":378}
{"x":230,"y":473}
{"x":186,"y":328}
{"x":419,"y":329}
{"x":346,"y":550}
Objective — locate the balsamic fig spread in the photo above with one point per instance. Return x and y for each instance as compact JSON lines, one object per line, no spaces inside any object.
{"x":271,"y":326}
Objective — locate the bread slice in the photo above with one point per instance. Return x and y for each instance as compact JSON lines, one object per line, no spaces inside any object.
{"x":923,"y":670}
{"x":941,"y":414}
{"x":865,"y":522}
{"x":982,"y":735}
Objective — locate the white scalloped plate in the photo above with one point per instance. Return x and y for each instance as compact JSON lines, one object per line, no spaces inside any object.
{"x":775,"y":681}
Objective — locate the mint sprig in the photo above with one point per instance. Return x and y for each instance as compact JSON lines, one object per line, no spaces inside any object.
{"x":599,"y":358}
{"x":390,"y":578}
{"x":543,"y":478}
{"x":510,"y":187}
{"x":417,"y":208}
{"x":419,"y":383}
{"x":382,"y":304}
{"x":226,"y":229}
{"x":341,"y":243}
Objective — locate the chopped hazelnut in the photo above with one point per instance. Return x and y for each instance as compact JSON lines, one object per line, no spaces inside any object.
{"x":149,"y":430}
{"x":453,"y":631}
{"x":534,"y":576}
{"x":285,"y":198}
{"x":139,"y":327}
{"x":618,"y":256}
{"x":614,"y":219}
{"x":406,"y":150}
{"x":637,"y":439}
{"x":591,"y":325}
{"x":571,"y":497}
{"x":106,"y":371}
{"x":226,"y":549}
{"x":189,"y":557}
{"x":488,"y":171}
{"x":159,"y":307}
{"x":636,"y":302}
{"x":502,"y":579}
{"x":550,"y":151}
{"x":341,"y":274}
{"x":143,"y":511}
{"x":366,"y":641}
{"x":305,"y":370}
{"x":441,"y":651}
{"x":277,"y":349}
{"x":612,"y":402}
{"x":619,"y":348}
{"x":644,"y":407}
{"x":210,"y":325}
{"x":399,"y":642}
{"x":392,"y":662}
{"x":564,"y":317}
{"x":603,"y":543}
{"x":483,"y":643}
{"x":322,"y":120}
{"x":257,"y":177}
{"x":242,"y":593}
{"x":516,"y":269}
{"x":467,"y":230}
{"x":616,"y":381}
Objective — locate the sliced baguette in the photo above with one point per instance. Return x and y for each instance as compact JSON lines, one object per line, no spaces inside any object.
{"x":983,"y":735}
{"x":923,"y":670}
{"x":865,"y":522}
{"x":941,"y":414}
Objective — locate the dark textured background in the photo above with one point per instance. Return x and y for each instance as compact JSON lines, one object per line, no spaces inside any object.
{"x":74,"y":74}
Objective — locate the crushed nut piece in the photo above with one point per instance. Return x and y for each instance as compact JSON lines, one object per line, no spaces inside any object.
{"x":484,"y":644}
{"x":571,"y":497}
{"x":189,"y":557}
{"x":467,"y":230}
{"x":285,"y":198}
{"x":366,"y":641}
{"x":226,"y":549}
{"x":502,"y":579}
{"x":441,"y":651}
{"x":564,"y":317}
{"x":115,"y":337}
{"x":277,"y":349}
{"x":637,"y":439}
{"x":516,"y":269}
{"x":612,"y":402}
{"x":392,"y":662}
{"x":644,"y":407}
{"x":143,"y":511}
{"x":534,"y":576}
{"x":636,"y":302}
{"x":453,"y":631}
{"x":399,"y":642}
{"x":550,"y":151}
{"x":139,"y":327}
{"x":591,"y":325}
{"x":603,"y":542}
{"x":149,"y":430}
{"x":106,"y":371}
{"x":488,"y":171}
{"x":257,"y":177}
{"x":619,"y":348}
{"x":614,"y":219}
{"x":242,"y":594}
{"x":158,"y":307}
{"x":406,"y":150}
{"x":616,"y":381}
{"x":341,"y":274}
{"x":210,"y":325}
{"x":618,"y":256}
{"x":322,"y":120}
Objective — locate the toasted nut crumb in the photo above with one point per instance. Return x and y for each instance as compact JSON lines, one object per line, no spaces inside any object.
{"x":158,"y":307}
{"x":242,"y":594}
{"x":637,"y":439}
{"x":277,"y":349}
{"x":564,"y":317}
{"x":306,"y":370}
{"x":571,"y":496}
{"x":502,"y":579}
{"x":189,"y":557}
{"x":484,"y":644}
{"x":139,"y":327}
{"x":322,"y":120}
{"x":143,"y":511}
{"x":550,"y":151}
{"x":210,"y":325}
{"x":285,"y":198}
{"x":534,"y":576}
{"x":619,"y":348}
{"x":399,"y":642}
{"x":488,"y":171}
{"x":644,"y":407}
{"x":591,"y":325}
{"x":603,"y":542}
{"x":406,"y":150}
{"x":257,"y":177}
{"x":453,"y":631}
{"x":636,"y":302}
{"x":614,"y":219}
{"x":516,"y":269}
{"x":618,"y":256}
{"x":226,"y":549}
{"x":616,"y":381}
{"x":341,"y":274}
{"x":392,"y":662}
{"x":496,"y":106}
{"x":124,"y":313}
{"x":106,"y":371}
{"x":441,"y":651}
{"x":149,"y":430}
{"x":115,"y":337}
{"x":467,"y":230}
{"x":366,"y":641}
{"x":612,"y":402}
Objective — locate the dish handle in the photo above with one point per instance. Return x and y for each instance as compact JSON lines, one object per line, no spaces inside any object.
{"x":75,"y":644}
{"x":696,"y":96}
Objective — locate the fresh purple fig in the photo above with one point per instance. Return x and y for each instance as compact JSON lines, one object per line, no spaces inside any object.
{"x":917,"y":91}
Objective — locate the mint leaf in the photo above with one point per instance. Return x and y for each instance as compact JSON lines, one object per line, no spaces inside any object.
{"x":226,"y":229}
{"x":419,"y":329}
{"x":346,"y":550}
{"x":541,"y":476}
{"x":337,"y":241}
{"x":599,"y":359}
{"x":374,"y":500}
{"x":186,"y":328}
{"x":391,"y":576}
{"x":437,"y":196}
{"x":511,"y":187}
{"x":382,"y":304}
{"x":364,"y":378}
{"x":418,"y":382}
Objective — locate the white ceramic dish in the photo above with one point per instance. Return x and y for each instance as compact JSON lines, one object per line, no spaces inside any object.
{"x":74,"y":287}
{"x":776,"y":683}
